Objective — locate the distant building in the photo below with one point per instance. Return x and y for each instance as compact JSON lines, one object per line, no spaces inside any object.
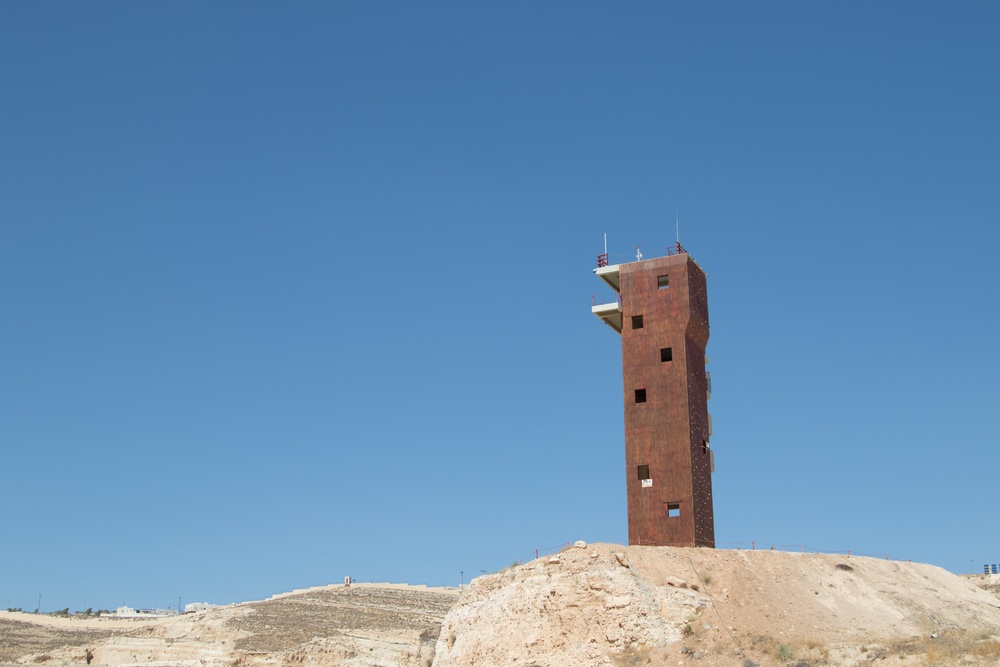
{"x":198,"y":606}
{"x":129,"y":612}
{"x":661,"y":312}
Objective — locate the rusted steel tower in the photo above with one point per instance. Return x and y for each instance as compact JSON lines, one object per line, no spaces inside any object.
{"x":661,"y":312}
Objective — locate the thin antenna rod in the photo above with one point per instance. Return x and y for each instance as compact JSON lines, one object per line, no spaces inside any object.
{"x":605,"y":243}
{"x":678,"y":223}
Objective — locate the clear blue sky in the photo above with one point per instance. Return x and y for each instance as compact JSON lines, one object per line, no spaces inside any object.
{"x":294,"y":291}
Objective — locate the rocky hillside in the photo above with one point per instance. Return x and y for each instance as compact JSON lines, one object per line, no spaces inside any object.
{"x":592,"y":606}
{"x":611,"y":605}
{"x":366,"y":625}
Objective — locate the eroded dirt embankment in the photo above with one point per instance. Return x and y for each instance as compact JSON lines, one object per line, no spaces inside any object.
{"x":612,"y":605}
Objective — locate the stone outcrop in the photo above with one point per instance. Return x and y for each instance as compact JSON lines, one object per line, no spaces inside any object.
{"x":613,"y":606}
{"x":575,"y":609}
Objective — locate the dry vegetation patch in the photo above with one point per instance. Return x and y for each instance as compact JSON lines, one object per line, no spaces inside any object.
{"x":19,"y":638}
{"x":294,"y":621}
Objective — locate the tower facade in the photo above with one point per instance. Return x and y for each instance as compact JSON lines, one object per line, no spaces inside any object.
{"x":661,"y":314}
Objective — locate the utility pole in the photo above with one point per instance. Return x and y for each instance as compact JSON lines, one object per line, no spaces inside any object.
{"x":38,"y":610}
{"x":179,"y":610}
{"x":462,"y":585}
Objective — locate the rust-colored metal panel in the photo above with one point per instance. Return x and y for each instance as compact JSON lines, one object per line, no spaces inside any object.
{"x":668,"y":431}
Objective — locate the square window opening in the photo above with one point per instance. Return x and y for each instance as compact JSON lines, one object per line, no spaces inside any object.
{"x":662,"y":282}
{"x":673,"y":510}
{"x":666,"y":354}
{"x":640,"y":395}
{"x":637,"y":321}
{"x":643,"y":472}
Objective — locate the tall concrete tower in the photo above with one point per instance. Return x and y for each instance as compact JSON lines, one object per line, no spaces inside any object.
{"x":661,"y":312}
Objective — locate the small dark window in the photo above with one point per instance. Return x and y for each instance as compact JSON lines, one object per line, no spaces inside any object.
{"x":666,"y":354}
{"x":640,"y":395}
{"x":673,"y":510}
{"x":704,"y":446}
{"x":643,"y":472}
{"x":662,"y":282}
{"x":637,"y":321}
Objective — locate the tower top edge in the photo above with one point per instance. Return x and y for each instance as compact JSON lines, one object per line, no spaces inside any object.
{"x":650,"y":262}
{"x":674,"y":251}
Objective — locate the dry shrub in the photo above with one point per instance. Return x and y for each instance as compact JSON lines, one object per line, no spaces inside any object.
{"x":988,"y":649}
{"x":784,"y":652}
{"x":45,"y":657}
{"x":952,"y":648}
{"x":632,"y":656}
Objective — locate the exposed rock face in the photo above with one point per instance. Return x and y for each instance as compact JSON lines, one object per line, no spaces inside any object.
{"x":577,"y":609}
{"x":613,"y":606}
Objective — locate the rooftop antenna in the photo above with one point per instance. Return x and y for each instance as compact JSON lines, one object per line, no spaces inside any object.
{"x":678,"y":248}
{"x":605,"y":243}
{"x":638,"y":253}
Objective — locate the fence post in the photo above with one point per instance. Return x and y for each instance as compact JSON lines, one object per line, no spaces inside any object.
{"x":753,"y":546}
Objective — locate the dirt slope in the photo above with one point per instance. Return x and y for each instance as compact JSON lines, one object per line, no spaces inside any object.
{"x":361,"y":626}
{"x":613,"y":605}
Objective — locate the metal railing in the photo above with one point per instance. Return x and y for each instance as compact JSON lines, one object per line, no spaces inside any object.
{"x":593,"y":300}
{"x":675,"y":249}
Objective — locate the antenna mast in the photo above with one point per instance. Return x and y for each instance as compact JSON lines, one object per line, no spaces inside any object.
{"x":602,"y":260}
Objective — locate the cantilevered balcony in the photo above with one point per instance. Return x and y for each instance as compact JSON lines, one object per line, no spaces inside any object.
{"x":610,"y":313}
{"x":609,"y":274}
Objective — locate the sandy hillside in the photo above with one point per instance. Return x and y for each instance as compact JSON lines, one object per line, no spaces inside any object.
{"x":362,"y":626}
{"x":613,"y":605}
{"x":600,"y":605}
